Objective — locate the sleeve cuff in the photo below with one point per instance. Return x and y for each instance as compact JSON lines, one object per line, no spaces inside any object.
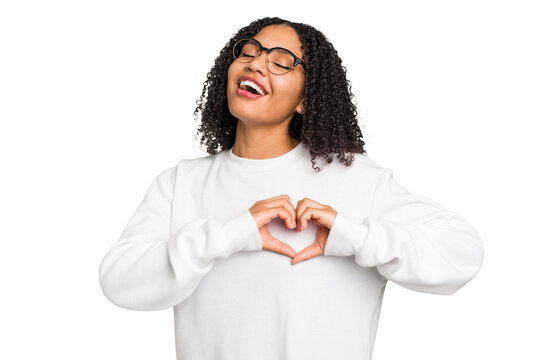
{"x":346,"y":237}
{"x":241,"y":234}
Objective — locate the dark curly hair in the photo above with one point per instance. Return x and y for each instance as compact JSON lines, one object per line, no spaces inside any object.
{"x":328,"y":125}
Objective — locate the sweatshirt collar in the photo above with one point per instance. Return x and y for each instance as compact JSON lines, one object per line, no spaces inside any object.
{"x":246,"y":164}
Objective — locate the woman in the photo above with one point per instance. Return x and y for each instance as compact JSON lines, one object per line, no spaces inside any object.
{"x":262,"y":254}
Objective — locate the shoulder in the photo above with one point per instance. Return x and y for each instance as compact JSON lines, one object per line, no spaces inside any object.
{"x":362,"y":165}
{"x":366,"y":162}
{"x":189,"y":166}
{"x":361,"y":175}
{"x":199,"y":164}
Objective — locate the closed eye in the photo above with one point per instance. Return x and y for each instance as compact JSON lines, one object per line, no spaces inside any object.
{"x":281,"y":66}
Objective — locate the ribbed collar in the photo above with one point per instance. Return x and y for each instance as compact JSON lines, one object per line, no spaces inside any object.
{"x":246,"y":164}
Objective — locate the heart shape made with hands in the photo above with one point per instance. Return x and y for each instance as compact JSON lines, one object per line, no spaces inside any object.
{"x":321,"y":215}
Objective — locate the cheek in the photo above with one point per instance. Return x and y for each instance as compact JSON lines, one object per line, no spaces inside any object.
{"x":232,"y":74}
{"x":291,"y":90}
{"x":230,"y":77}
{"x":302,"y":86}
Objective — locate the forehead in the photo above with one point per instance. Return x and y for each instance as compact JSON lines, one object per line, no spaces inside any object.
{"x":280,"y":36}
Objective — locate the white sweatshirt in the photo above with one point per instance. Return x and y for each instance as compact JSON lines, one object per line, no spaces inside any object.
{"x":192,"y":244}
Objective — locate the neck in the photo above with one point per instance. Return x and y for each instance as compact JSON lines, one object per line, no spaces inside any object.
{"x":269,"y":148}
{"x":263,"y":142}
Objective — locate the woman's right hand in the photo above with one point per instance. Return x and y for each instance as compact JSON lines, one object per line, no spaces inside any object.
{"x":263,"y":211}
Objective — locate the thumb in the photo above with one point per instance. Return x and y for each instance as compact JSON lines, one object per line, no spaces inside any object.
{"x":277,"y":246}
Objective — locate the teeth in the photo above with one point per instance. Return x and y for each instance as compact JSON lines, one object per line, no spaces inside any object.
{"x":253,"y":85}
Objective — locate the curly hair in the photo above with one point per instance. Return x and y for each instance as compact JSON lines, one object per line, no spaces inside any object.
{"x":328,"y":125}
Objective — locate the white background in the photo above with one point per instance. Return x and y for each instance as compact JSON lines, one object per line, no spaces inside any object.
{"x":96,"y":98}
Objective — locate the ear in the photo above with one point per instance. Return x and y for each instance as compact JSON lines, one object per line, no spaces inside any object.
{"x":300,"y":108}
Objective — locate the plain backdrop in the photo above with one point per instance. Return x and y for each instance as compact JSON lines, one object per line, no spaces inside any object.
{"x":97,"y":98}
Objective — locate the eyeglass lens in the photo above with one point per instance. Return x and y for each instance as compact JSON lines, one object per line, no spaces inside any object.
{"x":278,"y":61}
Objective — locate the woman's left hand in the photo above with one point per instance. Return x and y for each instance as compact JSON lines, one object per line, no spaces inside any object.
{"x":323,"y":216}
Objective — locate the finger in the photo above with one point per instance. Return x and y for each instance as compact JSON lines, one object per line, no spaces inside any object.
{"x":278,"y":198}
{"x":275,"y":198}
{"x":284,"y":213}
{"x":306,"y":215}
{"x":317,"y":216}
{"x":280,"y":247}
{"x":289,"y":206}
{"x":286,"y":202}
{"x":307,"y":253}
{"x":309,"y":202}
{"x":299,"y":220}
{"x":301,"y":207}
{"x":322,"y":237}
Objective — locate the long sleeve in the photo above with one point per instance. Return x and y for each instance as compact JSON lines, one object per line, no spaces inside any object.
{"x":412,"y":240}
{"x":152,"y":267}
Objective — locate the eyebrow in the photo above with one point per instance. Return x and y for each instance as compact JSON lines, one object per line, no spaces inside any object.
{"x":282,"y":47}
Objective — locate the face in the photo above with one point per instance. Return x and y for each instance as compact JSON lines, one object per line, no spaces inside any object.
{"x":284,"y":93}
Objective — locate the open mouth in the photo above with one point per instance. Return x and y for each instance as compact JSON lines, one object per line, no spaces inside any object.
{"x":251,"y":87}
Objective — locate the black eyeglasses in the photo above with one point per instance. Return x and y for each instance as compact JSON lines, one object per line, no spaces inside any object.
{"x":279,"y":60}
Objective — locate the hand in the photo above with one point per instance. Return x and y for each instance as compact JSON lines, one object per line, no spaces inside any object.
{"x":323,"y":216}
{"x":263,"y":211}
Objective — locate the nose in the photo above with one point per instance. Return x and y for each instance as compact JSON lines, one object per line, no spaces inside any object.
{"x":258,"y":64}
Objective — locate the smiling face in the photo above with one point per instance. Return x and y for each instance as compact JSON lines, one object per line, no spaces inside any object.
{"x":283,"y":93}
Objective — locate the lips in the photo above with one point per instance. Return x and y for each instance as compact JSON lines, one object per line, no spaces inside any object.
{"x":248,"y":94}
{"x":242,"y":78}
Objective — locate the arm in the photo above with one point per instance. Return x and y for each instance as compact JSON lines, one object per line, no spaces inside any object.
{"x":412,"y":240}
{"x":150,"y":268}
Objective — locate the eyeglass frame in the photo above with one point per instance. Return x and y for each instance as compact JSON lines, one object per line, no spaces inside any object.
{"x":297,"y":60}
